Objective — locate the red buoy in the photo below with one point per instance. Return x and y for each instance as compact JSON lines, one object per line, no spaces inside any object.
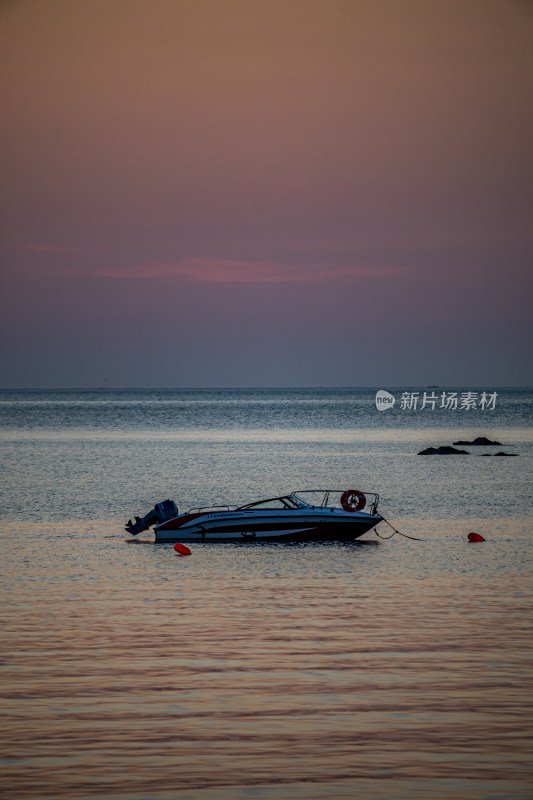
{"x":475,"y":537}
{"x":181,"y":550}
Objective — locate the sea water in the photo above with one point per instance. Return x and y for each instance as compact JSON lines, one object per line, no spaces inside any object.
{"x":395,"y":668}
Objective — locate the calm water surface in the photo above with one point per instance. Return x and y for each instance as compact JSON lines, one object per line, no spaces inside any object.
{"x":386,"y":669}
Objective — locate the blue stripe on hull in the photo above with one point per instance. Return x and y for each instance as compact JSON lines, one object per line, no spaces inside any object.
{"x":341,"y":531}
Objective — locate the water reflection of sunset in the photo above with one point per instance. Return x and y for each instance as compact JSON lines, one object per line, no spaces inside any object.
{"x":329,"y":665}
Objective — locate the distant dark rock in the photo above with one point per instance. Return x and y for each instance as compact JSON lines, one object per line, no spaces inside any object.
{"x":444,"y":450}
{"x":481,"y":440}
{"x":489,"y":455}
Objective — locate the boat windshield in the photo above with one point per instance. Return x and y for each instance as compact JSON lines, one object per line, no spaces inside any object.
{"x":288,"y":502}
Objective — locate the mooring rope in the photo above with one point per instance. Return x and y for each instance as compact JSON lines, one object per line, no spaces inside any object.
{"x":414,"y":538}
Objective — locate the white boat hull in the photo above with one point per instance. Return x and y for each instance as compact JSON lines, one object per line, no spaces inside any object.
{"x":320,"y":524}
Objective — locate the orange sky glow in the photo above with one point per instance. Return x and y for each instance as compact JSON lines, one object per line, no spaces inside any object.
{"x":288,"y":175}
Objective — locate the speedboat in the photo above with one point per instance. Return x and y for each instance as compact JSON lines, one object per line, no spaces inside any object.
{"x":321,"y":515}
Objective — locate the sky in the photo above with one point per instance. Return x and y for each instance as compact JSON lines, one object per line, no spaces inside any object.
{"x":259,"y":193}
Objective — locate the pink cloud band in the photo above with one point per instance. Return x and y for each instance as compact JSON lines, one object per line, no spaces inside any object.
{"x":233,"y":271}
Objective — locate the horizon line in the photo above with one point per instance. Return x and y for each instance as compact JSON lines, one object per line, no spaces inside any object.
{"x":254,"y":388}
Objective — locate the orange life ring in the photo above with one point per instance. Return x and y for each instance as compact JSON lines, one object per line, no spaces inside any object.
{"x":353,"y":500}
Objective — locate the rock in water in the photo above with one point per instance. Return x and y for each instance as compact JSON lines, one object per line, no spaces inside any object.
{"x":443,"y":450}
{"x":480,"y":441}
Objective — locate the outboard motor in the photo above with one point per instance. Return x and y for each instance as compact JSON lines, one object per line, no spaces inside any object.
{"x":167,"y":509}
